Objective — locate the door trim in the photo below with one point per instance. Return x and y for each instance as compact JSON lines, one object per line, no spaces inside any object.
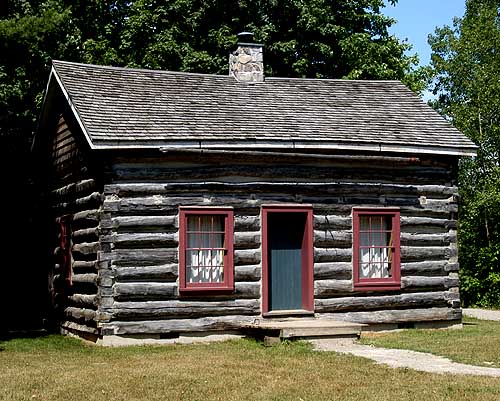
{"x":307,"y":254}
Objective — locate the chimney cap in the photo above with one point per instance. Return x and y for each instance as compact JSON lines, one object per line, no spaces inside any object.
{"x":245,"y":37}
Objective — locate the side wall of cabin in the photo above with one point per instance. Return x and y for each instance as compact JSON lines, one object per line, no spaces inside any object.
{"x":139,"y":236}
{"x":73,"y":198}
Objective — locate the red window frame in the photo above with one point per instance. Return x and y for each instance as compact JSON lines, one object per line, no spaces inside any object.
{"x":227,"y":284}
{"x":377,"y":284}
{"x":65,"y":257}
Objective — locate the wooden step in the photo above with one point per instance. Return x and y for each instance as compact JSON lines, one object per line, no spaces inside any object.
{"x":294,"y":328}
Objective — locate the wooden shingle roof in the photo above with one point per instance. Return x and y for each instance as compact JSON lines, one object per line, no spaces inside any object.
{"x":132,"y":108}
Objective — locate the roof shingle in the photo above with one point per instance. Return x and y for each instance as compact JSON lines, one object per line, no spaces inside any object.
{"x":122,"y":107}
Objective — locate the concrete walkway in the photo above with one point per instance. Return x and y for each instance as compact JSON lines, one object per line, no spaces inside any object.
{"x":421,"y":361}
{"x":397,"y":358}
{"x":483,"y":314}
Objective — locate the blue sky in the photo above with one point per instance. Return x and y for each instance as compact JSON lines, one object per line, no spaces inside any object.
{"x":418,"y":18}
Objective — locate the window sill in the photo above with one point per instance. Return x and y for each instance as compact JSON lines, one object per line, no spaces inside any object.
{"x":206,"y":290}
{"x":387,"y":286}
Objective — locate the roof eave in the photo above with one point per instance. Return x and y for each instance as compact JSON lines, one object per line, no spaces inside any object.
{"x":289,"y":145}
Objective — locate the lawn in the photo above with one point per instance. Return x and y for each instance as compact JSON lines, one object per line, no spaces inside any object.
{"x":478,"y":343}
{"x":59,"y":368}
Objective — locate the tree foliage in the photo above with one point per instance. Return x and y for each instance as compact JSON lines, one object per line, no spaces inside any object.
{"x":466,"y":59}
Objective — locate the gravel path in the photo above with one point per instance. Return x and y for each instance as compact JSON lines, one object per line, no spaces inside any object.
{"x":483,"y":314}
{"x":397,"y":358}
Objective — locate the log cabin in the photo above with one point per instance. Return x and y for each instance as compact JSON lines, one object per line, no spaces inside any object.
{"x":180,"y":203}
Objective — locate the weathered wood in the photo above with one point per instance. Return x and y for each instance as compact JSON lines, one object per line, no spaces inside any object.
{"x":332,"y":255}
{"x":333,"y":270}
{"x":332,"y":222}
{"x":176,"y":309}
{"x":246,"y":256}
{"x":82,"y":266}
{"x":86,"y":278}
{"x":74,"y":188}
{"x":398,"y":315}
{"x":246,"y":223}
{"x":246,"y":240}
{"x":86,"y":248}
{"x":144,"y":257}
{"x":88,"y":301}
{"x":78,"y":314}
{"x":330,"y":238}
{"x":166,"y":272}
{"x":204,"y":324}
{"x":412,"y":239}
{"x":427,"y":253}
{"x":244,"y":289}
{"x":86,"y":218}
{"x":412,"y":300}
{"x":143,"y":240}
{"x":85,"y":234}
{"x":143,"y":223}
{"x":418,"y":282}
{"x":259,"y":185}
{"x":327,"y":288}
{"x":426,"y":268}
{"x":145,"y":290}
{"x":247,"y":273}
{"x":72,"y":326}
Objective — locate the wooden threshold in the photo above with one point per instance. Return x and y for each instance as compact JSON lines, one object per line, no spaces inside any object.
{"x":288,"y":312}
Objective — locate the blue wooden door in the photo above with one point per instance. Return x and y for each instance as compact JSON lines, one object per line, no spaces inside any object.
{"x":285,"y":246}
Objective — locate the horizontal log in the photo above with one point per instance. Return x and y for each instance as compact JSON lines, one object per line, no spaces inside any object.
{"x":412,"y":300}
{"x":327,"y":288}
{"x":332,"y":255}
{"x":427,"y":253}
{"x":332,"y":222}
{"x":246,"y":256}
{"x":80,"y":314}
{"x":88,"y":301}
{"x":143,"y":240}
{"x":246,"y":223}
{"x":330,"y":238}
{"x":398,"y":315}
{"x":93,"y":200}
{"x":81,"y":328}
{"x":74,"y":188}
{"x":166,"y":272}
{"x":243,"y":289}
{"x":418,"y":282}
{"x":430,"y":268}
{"x":86,"y":278}
{"x":419,"y":239}
{"x":182,"y":309}
{"x":245,"y":240}
{"x":290,"y":185}
{"x":143,"y":223}
{"x":333,"y":270}
{"x":417,"y":221}
{"x":204,"y":324}
{"x":247,"y":273}
{"x":86,"y":218}
{"x":86,"y":248}
{"x":82,"y":266}
{"x":145,"y":290}
{"x":85,"y":234}
{"x":144,"y":257}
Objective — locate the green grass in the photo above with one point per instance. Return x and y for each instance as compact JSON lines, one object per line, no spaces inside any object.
{"x":478,"y":343}
{"x":58,"y":368}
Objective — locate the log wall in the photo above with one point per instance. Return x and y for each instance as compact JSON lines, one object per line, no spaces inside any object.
{"x":74,"y":191}
{"x":139,"y":236}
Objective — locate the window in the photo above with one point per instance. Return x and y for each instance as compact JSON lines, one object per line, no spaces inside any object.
{"x":205,"y":249}
{"x":376,"y":252}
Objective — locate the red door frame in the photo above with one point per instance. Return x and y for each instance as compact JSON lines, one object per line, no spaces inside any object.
{"x":307,"y":254}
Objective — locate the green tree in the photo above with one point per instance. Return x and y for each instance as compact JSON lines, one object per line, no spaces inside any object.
{"x":466,"y":60}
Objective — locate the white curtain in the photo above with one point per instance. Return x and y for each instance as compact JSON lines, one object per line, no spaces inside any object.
{"x":205,"y":249}
{"x":375,"y":255}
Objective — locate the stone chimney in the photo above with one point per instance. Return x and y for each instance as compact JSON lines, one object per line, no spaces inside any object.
{"x":246,"y":63}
